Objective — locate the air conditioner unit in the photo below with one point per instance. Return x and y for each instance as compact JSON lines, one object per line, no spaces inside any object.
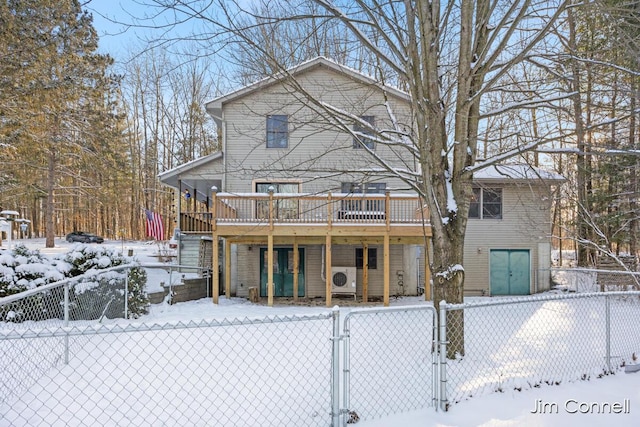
{"x":343,"y":280}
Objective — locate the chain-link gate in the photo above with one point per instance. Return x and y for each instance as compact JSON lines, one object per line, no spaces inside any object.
{"x":389,"y":362}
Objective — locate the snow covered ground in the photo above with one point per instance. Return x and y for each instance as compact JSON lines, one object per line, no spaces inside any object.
{"x":571,"y":403}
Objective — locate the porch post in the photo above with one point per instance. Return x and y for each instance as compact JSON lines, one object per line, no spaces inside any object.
{"x":227,"y":268}
{"x":270,"y":270}
{"x":327,"y":269}
{"x":270,"y":250}
{"x":365,"y":272}
{"x":179,"y":211}
{"x":386,"y":269}
{"x":296,"y":266}
{"x":387,"y":272}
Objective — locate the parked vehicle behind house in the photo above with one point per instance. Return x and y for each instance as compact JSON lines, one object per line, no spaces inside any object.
{"x":83,"y":237}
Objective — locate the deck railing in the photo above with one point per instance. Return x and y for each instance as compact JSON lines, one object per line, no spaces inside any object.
{"x":297,"y":208}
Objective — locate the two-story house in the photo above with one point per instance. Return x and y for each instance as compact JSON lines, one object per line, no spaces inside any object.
{"x":297,"y":205}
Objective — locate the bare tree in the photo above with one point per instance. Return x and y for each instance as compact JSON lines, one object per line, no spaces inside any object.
{"x":447,"y":56}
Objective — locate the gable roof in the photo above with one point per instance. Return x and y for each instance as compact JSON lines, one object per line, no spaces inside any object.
{"x":214,"y":107}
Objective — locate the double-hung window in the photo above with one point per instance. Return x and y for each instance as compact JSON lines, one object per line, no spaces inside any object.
{"x":277,"y":131}
{"x":361,"y":131}
{"x":486,"y":203}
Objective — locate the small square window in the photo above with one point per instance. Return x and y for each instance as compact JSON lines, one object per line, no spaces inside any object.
{"x":486,"y":203}
{"x":372,"y":256}
{"x":277,"y":131}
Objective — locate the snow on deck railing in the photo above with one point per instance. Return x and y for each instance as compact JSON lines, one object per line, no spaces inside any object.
{"x":307,"y":208}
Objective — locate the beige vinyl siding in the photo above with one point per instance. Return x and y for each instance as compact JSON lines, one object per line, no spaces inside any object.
{"x":248,"y":269}
{"x":316,"y":148}
{"x":525,"y":223}
{"x":248,"y":272}
{"x":210,"y":170}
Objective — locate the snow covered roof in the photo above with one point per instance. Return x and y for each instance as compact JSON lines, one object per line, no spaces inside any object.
{"x":186,"y":176}
{"x":516,"y":172}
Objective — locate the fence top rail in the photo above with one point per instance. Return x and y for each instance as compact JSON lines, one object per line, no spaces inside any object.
{"x":69,"y":280}
{"x":594,"y":270}
{"x":92,"y":273}
{"x":529,"y":299}
{"x":101,"y":329}
{"x":396,"y":309}
{"x":166,"y":266}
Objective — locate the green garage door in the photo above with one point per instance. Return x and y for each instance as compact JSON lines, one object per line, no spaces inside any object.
{"x":509,"y":272}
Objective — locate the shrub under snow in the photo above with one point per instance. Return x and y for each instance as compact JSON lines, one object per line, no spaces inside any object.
{"x":102,"y":295}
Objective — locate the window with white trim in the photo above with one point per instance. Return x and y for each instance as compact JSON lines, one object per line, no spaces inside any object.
{"x":277,"y":131}
{"x":486,"y":203}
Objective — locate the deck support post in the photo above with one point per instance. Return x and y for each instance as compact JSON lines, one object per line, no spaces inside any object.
{"x":296,"y":267}
{"x":386,"y":270}
{"x":365,"y":272}
{"x":270,"y":250}
{"x":387,"y":255}
{"x":227,"y":268}
{"x":327,"y":269}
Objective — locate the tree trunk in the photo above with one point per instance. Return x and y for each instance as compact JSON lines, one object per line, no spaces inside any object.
{"x":448,"y":285}
{"x":49,"y":217}
{"x":582,"y":162}
{"x":633,"y":205}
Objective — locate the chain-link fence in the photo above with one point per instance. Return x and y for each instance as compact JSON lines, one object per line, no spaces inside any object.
{"x":61,"y":366}
{"x":267,"y":372}
{"x":508,"y":343}
{"x":389,"y":362}
{"x":69,"y":369}
{"x":582,"y":280}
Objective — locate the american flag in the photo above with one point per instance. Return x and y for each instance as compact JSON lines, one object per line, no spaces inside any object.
{"x":155,"y":228}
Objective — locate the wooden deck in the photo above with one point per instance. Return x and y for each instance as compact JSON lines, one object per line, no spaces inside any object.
{"x":304,"y":219}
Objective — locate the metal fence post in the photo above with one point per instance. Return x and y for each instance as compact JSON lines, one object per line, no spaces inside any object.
{"x":608,"y":330}
{"x":335,"y":369}
{"x":66,"y":323}
{"x":442,"y":391}
{"x":346,"y":365}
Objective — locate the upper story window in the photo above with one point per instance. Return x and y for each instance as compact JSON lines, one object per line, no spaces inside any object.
{"x":486,"y":203}
{"x":277,"y":131}
{"x":360,"y":130}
